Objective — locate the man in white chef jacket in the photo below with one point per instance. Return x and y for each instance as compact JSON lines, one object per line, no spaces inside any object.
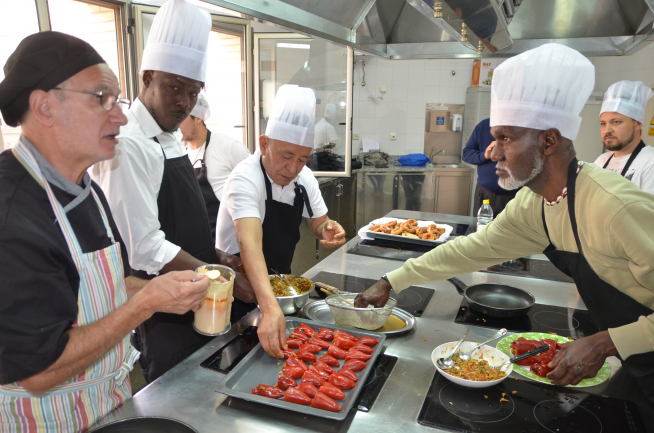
{"x":621,"y":127}
{"x":213,"y":156}
{"x":150,"y":184}
{"x":264,"y":200}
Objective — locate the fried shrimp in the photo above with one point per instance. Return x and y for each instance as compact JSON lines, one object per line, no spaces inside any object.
{"x":391,"y":224}
{"x":375,"y":228}
{"x":384,"y":229}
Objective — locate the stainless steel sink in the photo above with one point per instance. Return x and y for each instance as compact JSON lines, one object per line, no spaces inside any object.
{"x":446,"y":166}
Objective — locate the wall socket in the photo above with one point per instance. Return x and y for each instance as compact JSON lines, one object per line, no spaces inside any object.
{"x":382,"y":89}
{"x":355,"y":136}
{"x":393,"y":136}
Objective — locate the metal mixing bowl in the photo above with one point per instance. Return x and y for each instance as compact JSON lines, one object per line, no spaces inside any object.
{"x":293,"y":304}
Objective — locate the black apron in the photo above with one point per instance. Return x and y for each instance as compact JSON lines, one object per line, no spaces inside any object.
{"x":164,"y":340}
{"x":210,"y":200}
{"x":633,"y":156}
{"x":609,"y":307}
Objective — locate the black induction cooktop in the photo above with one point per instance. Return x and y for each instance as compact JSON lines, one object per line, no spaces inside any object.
{"x":530,"y":268}
{"x":413,"y":300}
{"x":568,"y":322}
{"x":531,"y":408}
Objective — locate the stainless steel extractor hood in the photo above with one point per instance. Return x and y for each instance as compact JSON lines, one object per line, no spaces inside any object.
{"x":410,"y":29}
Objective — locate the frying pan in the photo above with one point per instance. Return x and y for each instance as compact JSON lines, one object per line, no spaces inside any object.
{"x":495,"y":300}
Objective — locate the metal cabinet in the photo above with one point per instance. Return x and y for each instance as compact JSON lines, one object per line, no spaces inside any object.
{"x":415,"y":191}
{"x":377,"y":195}
{"x":453,"y":192}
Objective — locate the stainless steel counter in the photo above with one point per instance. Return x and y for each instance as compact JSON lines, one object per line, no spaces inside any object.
{"x":187,"y":392}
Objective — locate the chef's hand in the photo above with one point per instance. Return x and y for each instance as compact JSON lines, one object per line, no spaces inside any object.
{"x":175,"y":292}
{"x":272,"y":331}
{"x":243,"y":289}
{"x":377,"y":295}
{"x":581,"y":359}
{"x":230,"y":260}
{"x":333,"y":235}
{"x":489,"y":150}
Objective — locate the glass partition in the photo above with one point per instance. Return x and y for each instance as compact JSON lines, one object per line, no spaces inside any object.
{"x":322,"y":66}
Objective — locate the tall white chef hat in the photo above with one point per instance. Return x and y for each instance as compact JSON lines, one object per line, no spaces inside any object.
{"x":542,"y":88}
{"x":178,"y":40}
{"x":330,"y":111}
{"x":293,"y":115}
{"x":628,"y":98}
{"x":201,"y":109}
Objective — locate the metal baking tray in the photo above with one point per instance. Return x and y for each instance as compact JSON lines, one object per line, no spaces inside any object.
{"x":405,"y":239}
{"x":257,"y":367}
{"x":320,"y":312}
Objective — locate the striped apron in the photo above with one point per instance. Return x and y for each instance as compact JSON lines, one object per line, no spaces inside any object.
{"x":81,"y":401}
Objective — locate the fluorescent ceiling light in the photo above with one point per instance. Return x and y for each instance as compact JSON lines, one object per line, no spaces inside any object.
{"x":298,"y":46}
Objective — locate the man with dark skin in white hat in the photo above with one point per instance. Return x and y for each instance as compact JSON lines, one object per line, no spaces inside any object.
{"x":592,"y":225}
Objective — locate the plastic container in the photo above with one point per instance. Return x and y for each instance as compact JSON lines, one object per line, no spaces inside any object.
{"x":216,"y":308}
{"x":362,"y":156}
{"x":484,"y":216}
{"x":364,"y":318}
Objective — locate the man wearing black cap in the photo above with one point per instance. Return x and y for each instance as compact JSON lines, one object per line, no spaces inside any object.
{"x":67,"y":310}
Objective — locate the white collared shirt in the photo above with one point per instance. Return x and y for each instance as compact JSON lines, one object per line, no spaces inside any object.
{"x":244,"y":196}
{"x":131,"y":183}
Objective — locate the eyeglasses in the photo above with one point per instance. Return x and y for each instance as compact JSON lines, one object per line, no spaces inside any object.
{"x":107,"y":100}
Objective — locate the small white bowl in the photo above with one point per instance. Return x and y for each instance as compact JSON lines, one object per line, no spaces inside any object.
{"x":494,"y":357}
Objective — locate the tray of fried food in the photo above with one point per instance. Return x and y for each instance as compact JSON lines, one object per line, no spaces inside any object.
{"x":409,"y":230}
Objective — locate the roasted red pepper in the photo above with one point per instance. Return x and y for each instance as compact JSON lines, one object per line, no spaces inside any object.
{"x":306,"y":356}
{"x":323,"y":374}
{"x":285,"y":382}
{"x":293,"y":343}
{"x":308,"y":388}
{"x":346,"y":335}
{"x":540,"y":369}
{"x":317,"y":341}
{"x":311,"y":377}
{"x":330,"y":360}
{"x":313,"y":348}
{"x":288,"y":353}
{"x":325,"y":334}
{"x":321,"y":401}
{"x":368,"y":341}
{"x":305,"y":329}
{"x":293,"y":372}
{"x":294,"y":395}
{"x":341,"y":382}
{"x":355,"y":354}
{"x":331,"y":391}
{"x":267,"y":391}
{"x":522,"y":345}
{"x":348,"y":373}
{"x":294,"y":361}
{"x":299,"y":336}
{"x":363,"y":348}
{"x":336,"y":352}
{"x":342,"y":342}
{"x":354,"y":365}
{"x":320,"y":365}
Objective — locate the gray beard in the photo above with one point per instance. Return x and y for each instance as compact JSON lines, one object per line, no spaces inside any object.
{"x":511,"y":182}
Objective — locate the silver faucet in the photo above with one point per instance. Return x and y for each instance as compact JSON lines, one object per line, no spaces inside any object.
{"x":431,"y":157}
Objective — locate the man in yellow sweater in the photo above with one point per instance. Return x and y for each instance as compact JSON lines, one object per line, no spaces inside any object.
{"x":591,"y":223}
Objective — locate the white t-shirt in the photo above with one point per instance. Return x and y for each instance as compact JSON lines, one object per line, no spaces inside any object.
{"x":244,"y":196}
{"x":223,"y":155}
{"x":324,"y":133}
{"x":641,"y":170}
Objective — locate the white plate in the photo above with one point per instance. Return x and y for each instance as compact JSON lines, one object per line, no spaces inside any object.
{"x":494,"y":357}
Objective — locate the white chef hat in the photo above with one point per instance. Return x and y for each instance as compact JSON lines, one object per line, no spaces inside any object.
{"x":628,"y":98}
{"x":542,"y":88}
{"x":201,"y":109}
{"x":293,"y":115}
{"x":178,"y":40}
{"x":330,"y":111}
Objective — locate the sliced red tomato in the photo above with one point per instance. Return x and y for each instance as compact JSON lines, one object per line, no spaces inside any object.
{"x":341,"y":382}
{"x":348,"y":373}
{"x":293,"y":372}
{"x":288,"y":353}
{"x":332,"y":391}
{"x":354,"y":365}
{"x":330,"y":360}
{"x":313,"y":348}
{"x":355,"y":354}
{"x":336,"y":352}
{"x":285,"y":382}
{"x":293,"y":343}
{"x":320,"y":365}
{"x":313,"y":378}
{"x":323,"y":374}
{"x":363,"y":348}
{"x":319,"y":342}
{"x":325,"y":334}
{"x":308,"y":388}
{"x":346,"y":335}
{"x":294,"y":361}
{"x":305,"y":329}
{"x":368,"y":341}
{"x":299,"y":336}
{"x":294,"y":395}
{"x":540,"y":369}
{"x":306,"y":356}
{"x":342,"y":342}
{"x":321,"y":401}
{"x":268,"y":391}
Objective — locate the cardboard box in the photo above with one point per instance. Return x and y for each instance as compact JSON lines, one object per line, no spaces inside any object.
{"x":482,"y":72}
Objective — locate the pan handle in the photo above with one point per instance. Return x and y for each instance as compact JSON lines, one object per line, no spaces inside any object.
{"x":460,"y":286}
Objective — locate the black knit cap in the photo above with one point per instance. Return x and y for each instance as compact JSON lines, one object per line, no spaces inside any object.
{"x":41,"y":61}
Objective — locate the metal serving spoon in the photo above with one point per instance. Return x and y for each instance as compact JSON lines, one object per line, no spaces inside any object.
{"x":536,"y":351}
{"x":467,"y":355}
{"x":447,"y":363}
